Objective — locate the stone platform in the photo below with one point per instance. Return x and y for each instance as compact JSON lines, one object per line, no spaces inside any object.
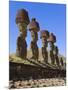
{"x":27,"y":69}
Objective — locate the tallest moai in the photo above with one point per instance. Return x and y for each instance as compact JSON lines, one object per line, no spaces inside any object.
{"x":22,"y":20}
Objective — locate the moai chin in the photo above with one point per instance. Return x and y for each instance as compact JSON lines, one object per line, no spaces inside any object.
{"x":52,"y":40}
{"x":44,"y":36}
{"x":34,"y":28}
{"x":22,"y":20}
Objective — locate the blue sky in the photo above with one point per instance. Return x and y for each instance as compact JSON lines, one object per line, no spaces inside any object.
{"x":51,"y":17}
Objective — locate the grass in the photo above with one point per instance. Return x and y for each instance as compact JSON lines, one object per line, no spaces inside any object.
{"x":14,"y":58}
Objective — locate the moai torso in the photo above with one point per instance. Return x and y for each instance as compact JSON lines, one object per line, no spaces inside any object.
{"x":22,"y":21}
{"x":34,"y":36}
{"x":21,"y":47}
{"x":56,"y":50}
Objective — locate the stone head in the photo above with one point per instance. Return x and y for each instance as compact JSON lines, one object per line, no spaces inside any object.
{"x":22,"y":20}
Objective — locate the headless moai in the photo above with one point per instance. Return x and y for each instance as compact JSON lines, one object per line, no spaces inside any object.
{"x":22,"y":20}
{"x":44,"y":37}
{"x":52,"y":40}
{"x":34,"y":28}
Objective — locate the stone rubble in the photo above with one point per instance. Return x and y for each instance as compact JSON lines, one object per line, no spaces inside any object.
{"x":37,"y":83}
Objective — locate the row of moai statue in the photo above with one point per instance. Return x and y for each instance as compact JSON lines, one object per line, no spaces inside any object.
{"x":22,"y":21}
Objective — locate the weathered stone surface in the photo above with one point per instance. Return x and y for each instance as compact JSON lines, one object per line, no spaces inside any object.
{"x":45,"y":54}
{"x":51,"y":41}
{"x":21,"y":47}
{"x":61,"y":62}
{"x":22,"y":20}
{"x":34,"y":25}
{"x":44,"y":34}
{"x":56,"y":58}
{"x":52,"y":38}
{"x":34,"y":28}
{"x":22,"y":16}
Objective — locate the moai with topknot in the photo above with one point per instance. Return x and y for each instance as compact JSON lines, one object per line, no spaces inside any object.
{"x":22,"y":20}
{"x":44,"y":36}
{"x":52,"y":40}
{"x":34,"y":28}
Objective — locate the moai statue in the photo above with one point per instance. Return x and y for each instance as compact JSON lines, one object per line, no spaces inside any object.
{"x":61,"y":61}
{"x":56,"y":55}
{"x":44,"y":36}
{"x":22,"y":20}
{"x":34,"y":28}
{"x":52,"y":40}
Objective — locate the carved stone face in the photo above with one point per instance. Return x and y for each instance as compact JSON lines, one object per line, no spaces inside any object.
{"x":34,"y":36}
{"x":22,"y":16}
{"x":52,"y":38}
{"x":44,"y":42}
{"x":23,"y":29}
{"x":51,"y":44}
